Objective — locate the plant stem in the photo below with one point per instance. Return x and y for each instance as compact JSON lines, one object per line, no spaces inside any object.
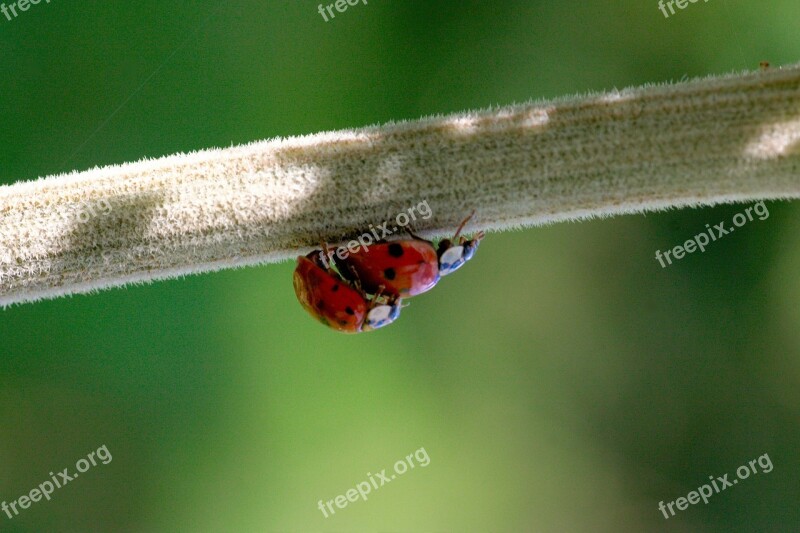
{"x":702,"y":142}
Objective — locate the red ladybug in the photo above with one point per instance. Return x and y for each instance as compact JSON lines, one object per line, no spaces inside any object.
{"x":335,"y":302}
{"x":410,"y":266}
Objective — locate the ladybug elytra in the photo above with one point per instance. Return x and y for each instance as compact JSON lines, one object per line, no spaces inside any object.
{"x":408,"y":267}
{"x":335,"y":302}
{"x":365,"y":293}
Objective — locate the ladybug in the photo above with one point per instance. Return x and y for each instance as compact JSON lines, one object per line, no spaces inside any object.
{"x":335,"y":302}
{"x":410,"y":266}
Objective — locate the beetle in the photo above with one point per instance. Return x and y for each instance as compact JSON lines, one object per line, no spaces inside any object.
{"x":338,"y":303}
{"x":408,"y":267}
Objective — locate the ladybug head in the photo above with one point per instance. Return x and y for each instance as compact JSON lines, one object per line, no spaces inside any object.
{"x":453,"y":256}
{"x":381,"y":315}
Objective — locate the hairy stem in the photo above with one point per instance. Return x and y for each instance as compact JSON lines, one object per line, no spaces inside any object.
{"x":723,"y":139}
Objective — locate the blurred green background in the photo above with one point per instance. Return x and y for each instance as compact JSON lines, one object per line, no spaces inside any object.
{"x":562,"y":381}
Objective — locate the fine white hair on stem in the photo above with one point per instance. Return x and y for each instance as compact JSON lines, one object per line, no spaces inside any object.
{"x":701,"y":142}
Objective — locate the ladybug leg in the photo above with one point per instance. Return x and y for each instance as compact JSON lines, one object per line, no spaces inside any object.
{"x":417,"y":237}
{"x":463,"y":223}
{"x":379,"y":299}
{"x":475,"y":238}
{"x":374,"y":300}
{"x":354,"y":278}
{"x":381,"y":313}
{"x":463,"y":240}
{"x":328,"y":261}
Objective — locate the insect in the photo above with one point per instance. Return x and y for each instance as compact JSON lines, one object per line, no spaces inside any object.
{"x":409,"y":266}
{"x":337,"y":303}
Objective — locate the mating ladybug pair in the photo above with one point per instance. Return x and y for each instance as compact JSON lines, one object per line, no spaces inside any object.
{"x":365,"y":293}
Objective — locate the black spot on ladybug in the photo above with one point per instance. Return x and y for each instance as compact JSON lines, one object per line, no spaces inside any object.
{"x":321,"y":305}
{"x":343,"y":322}
{"x":349,"y":311}
{"x":335,"y":288}
{"x":396,"y":250}
{"x":389,"y":273}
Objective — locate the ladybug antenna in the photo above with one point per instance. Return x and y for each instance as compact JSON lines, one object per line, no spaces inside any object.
{"x":326,"y":255}
{"x":461,"y":227}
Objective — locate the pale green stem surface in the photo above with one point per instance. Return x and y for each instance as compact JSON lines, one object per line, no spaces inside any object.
{"x":702,"y":142}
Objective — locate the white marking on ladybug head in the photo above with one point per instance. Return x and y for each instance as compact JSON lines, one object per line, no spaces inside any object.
{"x":381,"y":315}
{"x":451,"y":260}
